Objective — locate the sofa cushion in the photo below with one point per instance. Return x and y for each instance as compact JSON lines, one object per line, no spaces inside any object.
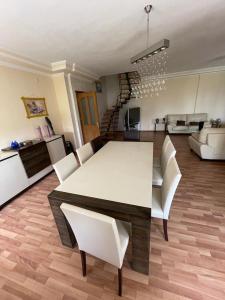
{"x":193,"y":123}
{"x":180,"y":123}
{"x":197,"y":117}
{"x":173,"y":118}
{"x":193,"y":128}
{"x":205,"y":131}
{"x":180,"y":128}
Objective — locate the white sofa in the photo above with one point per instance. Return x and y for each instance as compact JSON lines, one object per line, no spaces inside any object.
{"x":209,"y":143}
{"x":187,"y":128}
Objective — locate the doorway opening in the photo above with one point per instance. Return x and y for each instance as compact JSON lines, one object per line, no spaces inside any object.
{"x":89,"y":117}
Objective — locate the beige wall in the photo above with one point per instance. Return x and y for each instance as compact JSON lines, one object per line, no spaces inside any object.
{"x":14,"y":124}
{"x":184,"y":96}
{"x":62,"y":100}
{"x":59,"y":91}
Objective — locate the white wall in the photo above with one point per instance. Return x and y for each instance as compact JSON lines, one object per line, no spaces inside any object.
{"x":183,"y":96}
{"x":111,"y":89}
{"x":211,"y":95}
{"x":14,"y":124}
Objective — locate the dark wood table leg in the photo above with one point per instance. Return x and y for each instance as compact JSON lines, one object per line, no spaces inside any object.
{"x":65,"y":232}
{"x":141,"y":245}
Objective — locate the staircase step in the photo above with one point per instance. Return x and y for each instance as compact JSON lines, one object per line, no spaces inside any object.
{"x":108,"y":114}
{"x":124,"y":81}
{"x":133,"y":75}
{"x":124,"y":87}
{"x":122,"y":76}
{"x":110,"y":119}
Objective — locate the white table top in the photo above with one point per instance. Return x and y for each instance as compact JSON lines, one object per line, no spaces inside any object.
{"x":120,"y":172}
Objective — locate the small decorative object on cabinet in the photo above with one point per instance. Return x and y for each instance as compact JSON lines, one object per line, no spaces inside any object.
{"x":14,"y":145}
{"x":216,"y":123}
{"x":50,"y":126}
{"x":39,"y":133}
{"x":160,"y":124}
{"x":46,"y":131}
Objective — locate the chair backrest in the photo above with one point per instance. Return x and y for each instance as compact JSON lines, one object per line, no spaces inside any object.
{"x":167,"y":140}
{"x":169,"y":152}
{"x":84,"y":153}
{"x":65,"y":167}
{"x":171,"y":180}
{"x":95,"y":233}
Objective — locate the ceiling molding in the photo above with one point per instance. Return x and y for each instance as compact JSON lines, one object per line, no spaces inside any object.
{"x":23,"y":63}
{"x":74,"y":69}
{"x":79,"y":70}
{"x":59,"y":66}
{"x":80,"y":78}
{"x":13,"y":60}
{"x":23,"y":68}
{"x":195,"y":72}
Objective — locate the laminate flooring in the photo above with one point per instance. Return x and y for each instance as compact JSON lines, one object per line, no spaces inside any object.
{"x":34,"y":265}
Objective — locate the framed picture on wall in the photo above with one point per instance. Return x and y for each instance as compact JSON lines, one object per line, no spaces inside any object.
{"x":35,"y":107}
{"x":98,"y":85}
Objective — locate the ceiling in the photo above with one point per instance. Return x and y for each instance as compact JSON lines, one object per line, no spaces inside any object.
{"x":102,"y":35}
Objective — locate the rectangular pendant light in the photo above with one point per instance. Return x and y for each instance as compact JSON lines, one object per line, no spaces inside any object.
{"x":154,"y":49}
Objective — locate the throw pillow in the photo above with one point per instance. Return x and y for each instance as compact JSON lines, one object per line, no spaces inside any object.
{"x":180,"y":123}
{"x":194,"y":123}
{"x":201,"y":125}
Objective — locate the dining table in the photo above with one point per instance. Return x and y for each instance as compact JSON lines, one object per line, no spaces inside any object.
{"x":115,"y":181}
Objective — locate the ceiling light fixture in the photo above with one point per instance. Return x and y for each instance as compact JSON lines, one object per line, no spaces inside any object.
{"x":151,"y":66}
{"x":156,"y":48}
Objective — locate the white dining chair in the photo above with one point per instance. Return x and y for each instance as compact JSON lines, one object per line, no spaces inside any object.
{"x":99,"y":235}
{"x":65,"y":167}
{"x":158,"y":172}
{"x":157,"y":160}
{"x":84,"y":153}
{"x":162,"y":198}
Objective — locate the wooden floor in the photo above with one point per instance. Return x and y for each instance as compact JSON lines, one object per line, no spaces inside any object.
{"x":34,"y":264}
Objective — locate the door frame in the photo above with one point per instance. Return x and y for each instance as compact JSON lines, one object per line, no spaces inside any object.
{"x":81,"y":126}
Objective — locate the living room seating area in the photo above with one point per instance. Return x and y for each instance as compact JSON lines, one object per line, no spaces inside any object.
{"x":209,"y":143}
{"x":186,"y":123}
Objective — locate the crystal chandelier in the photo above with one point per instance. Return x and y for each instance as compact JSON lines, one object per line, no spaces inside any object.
{"x":151,"y":65}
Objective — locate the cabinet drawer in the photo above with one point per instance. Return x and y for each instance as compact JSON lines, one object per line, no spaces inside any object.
{"x":35,"y":158}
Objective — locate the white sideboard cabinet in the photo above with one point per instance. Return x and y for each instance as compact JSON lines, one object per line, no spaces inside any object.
{"x":13,"y":177}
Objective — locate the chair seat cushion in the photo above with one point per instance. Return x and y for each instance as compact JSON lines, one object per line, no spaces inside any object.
{"x":157,"y":178}
{"x":157,"y":211}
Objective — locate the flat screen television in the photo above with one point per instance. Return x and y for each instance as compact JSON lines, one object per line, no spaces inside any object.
{"x":132,"y":117}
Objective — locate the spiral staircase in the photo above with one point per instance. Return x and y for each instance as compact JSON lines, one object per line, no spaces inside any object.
{"x":111,"y":117}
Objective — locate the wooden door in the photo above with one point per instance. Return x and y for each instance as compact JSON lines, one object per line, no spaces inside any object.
{"x":89,"y":118}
